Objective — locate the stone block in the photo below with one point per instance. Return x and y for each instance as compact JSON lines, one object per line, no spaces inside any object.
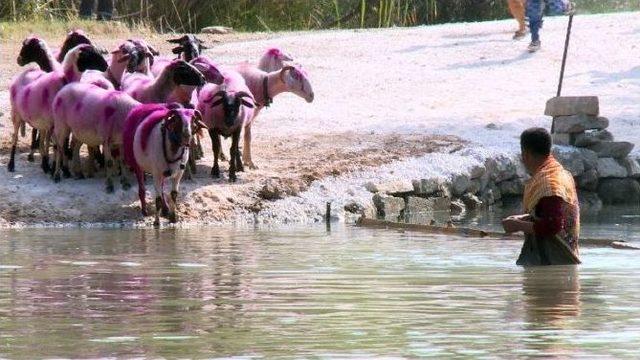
{"x":501,"y":168}
{"x":572,"y":105}
{"x":388,"y":208}
{"x":588,"y":180}
{"x":471,"y":201}
{"x":632,"y":166}
{"x":579,"y":123}
{"x":619,"y":191}
{"x":589,"y":158}
{"x":610,"y":168}
{"x":424,"y":210}
{"x":565,"y":139}
{"x":477,"y":172}
{"x":571,"y":158}
{"x":218,"y":30}
{"x":592,"y":137}
{"x":397,"y":187}
{"x":590,"y":203}
{"x":460,"y":184}
{"x":427,"y":186}
{"x":613,"y":149}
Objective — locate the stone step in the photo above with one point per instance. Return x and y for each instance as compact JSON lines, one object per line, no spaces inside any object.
{"x":579,"y":123}
{"x":591,"y":138}
{"x":572,"y":105}
{"x":612,"y":149}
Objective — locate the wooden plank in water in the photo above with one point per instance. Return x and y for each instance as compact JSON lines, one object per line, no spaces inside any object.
{"x":476,"y":233}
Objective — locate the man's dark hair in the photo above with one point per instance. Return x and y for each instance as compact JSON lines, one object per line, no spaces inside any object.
{"x":537,"y":141}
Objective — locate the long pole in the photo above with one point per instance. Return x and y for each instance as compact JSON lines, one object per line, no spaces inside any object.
{"x":564,"y":62}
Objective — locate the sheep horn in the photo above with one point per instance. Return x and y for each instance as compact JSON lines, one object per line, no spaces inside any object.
{"x":177,"y":50}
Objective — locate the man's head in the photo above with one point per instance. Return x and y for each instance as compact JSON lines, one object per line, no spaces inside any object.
{"x":535,"y":144}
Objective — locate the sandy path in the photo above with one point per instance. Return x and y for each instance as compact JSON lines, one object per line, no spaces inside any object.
{"x":382,"y":97}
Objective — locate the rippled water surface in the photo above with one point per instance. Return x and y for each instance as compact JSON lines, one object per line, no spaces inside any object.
{"x":305,"y":292}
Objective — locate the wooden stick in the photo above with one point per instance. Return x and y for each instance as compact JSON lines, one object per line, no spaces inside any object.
{"x":476,"y":233}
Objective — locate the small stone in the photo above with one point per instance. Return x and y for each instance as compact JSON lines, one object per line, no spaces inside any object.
{"x":460,"y":184}
{"x":388,"y":207}
{"x":511,"y":187}
{"x":588,"y":180}
{"x":493,"y":126}
{"x":614,"y":149}
{"x":590,"y":203}
{"x":562,"y":139}
{"x":398,"y":187}
{"x":592,"y":137}
{"x":570,"y":158}
{"x":579,"y":123}
{"x":610,"y":168}
{"x":619,"y":191}
{"x":477,"y":171}
{"x":220,"y":30}
{"x":424,"y":210}
{"x":501,"y":168}
{"x":471,"y":201}
{"x":572,"y":105}
{"x":457,"y":207}
{"x":427,"y":186}
{"x":633,"y":167}
{"x":589,"y":158}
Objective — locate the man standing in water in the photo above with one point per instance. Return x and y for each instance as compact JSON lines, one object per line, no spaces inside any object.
{"x":535,"y":11}
{"x":516,"y":7}
{"x":552,"y":223}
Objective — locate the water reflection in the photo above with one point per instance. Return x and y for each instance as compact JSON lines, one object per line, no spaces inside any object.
{"x":300,"y":292}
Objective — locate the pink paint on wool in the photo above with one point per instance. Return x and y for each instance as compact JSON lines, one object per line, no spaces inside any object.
{"x":78,"y":106}
{"x":135,"y":117}
{"x":45,"y":97}
{"x":108,"y":112}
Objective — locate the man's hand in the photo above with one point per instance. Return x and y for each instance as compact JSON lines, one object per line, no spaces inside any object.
{"x":517,"y":223}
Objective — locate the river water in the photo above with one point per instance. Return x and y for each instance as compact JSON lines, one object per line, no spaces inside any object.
{"x":292,"y":292}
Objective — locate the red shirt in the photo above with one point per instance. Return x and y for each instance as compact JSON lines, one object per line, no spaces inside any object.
{"x":550,"y":218}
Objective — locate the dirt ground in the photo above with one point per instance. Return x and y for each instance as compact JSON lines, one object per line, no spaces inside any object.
{"x":288,"y":165}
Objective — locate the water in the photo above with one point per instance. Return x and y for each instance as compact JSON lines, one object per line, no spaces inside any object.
{"x":304,"y":292}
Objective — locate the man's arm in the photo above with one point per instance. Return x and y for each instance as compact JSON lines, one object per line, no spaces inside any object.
{"x":549,"y":222}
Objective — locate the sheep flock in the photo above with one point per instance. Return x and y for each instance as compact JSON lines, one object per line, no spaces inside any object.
{"x":139,"y":113}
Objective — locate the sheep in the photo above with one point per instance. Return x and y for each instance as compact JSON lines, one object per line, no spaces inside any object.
{"x":264,"y":87}
{"x":95,"y":116}
{"x":189,"y":47}
{"x":32,"y":93}
{"x":73,"y":39}
{"x":211,"y":71}
{"x":273,"y":60}
{"x":226,"y":108}
{"x":156,"y":140}
{"x":166,"y":87}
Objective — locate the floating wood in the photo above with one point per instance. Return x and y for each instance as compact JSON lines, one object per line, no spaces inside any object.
{"x":476,"y":233}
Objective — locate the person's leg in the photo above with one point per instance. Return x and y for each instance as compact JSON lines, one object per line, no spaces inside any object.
{"x":86,"y":8}
{"x":105,"y":9}
{"x":516,"y":7}
{"x":535,"y":9}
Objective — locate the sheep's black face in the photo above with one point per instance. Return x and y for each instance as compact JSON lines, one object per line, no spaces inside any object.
{"x":231,"y":107}
{"x":186,"y":74}
{"x":33,"y":50}
{"x":90,"y":59}
{"x":189,"y":45}
{"x":73,"y":39}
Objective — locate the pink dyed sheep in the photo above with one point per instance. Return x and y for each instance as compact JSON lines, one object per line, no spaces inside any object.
{"x":96,"y":117}
{"x":73,"y":39}
{"x":273,"y":60}
{"x":264,"y":87}
{"x":32,"y":93}
{"x":156,"y":141}
{"x":166,"y":87}
{"x":226,"y":109}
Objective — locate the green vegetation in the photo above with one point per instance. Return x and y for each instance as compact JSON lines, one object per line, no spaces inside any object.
{"x":276,"y":15}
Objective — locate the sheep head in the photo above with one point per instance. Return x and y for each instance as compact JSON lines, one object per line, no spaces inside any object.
{"x":35,"y":50}
{"x":128,"y":52}
{"x":231,"y":104}
{"x":278,"y":54}
{"x":297,"y":82}
{"x":189,"y":45}
{"x":184,"y":73}
{"x":87,"y":57}
{"x":73,"y":39}
{"x":147,"y":51}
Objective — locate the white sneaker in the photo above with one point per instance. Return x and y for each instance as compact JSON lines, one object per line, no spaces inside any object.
{"x":534,"y":46}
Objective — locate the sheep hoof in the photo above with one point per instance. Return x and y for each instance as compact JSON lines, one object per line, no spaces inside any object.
{"x":223,"y":157}
{"x":31,"y":158}
{"x":233,"y":178}
{"x":215,"y":173}
{"x":56,"y":177}
{"x":252,"y":166}
{"x":173,"y":218}
{"x":11,"y":167}
{"x":165,"y":212}
{"x":66,"y":173}
{"x":45,"y":165}
{"x":110,"y":189}
{"x":156,"y":223}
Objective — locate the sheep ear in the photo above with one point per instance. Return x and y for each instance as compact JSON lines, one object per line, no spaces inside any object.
{"x":284,"y":70}
{"x":178,"y":40}
{"x":153,"y":51}
{"x":124,"y":58}
{"x":177,"y":50}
